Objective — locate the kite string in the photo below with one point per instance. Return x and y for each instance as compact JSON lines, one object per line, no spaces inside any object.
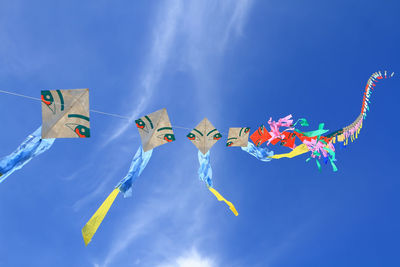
{"x":91,"y":110}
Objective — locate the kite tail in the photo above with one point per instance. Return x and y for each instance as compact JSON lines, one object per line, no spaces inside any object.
{"x":301,"y":149}
{"x":205,"y":174}
{"x":351,"y":131}
{"x":260,"y":153}
{"x":205,"y":171}
{"x":91,"y":226}
{"x":33,"y":146}
{"x":221,"y":198}
{"x":138,"y":164}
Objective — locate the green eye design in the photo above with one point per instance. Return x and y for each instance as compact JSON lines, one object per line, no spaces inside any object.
{"x":48,"y":99}
{"x":230,"y":141}
{"x":191,"y":136}
{"x":169,"y":138}
{"x":82,"y":131}
{"x":140,"y":124}
{"x":217,"y":136}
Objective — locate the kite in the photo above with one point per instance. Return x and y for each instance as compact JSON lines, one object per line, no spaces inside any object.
{"x":155,"y":129}
{"x":204,"y":136}
{"x":65,"y":114}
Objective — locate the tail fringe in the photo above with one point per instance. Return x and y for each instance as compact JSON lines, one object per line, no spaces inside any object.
{"x":352,"y":131}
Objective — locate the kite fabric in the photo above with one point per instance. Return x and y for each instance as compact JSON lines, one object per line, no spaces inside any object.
{"x":33,"y":146}
{"x":93,"y":224}
{"x":261,"y":153}
{"x":205,"y":174}
{"x":205,"y":171}
{"x":155,"y":130}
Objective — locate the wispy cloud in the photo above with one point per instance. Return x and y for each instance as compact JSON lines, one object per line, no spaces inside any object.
{"x":153,"y":213}
{"x":164,"y":36}
{"x":194,"y":34}
{"x":237,"y":21}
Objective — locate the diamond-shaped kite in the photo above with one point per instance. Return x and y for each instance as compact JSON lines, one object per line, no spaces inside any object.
{"x":65,"y":113}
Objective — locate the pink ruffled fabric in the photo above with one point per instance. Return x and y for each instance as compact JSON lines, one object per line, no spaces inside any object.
{"x":275,"y":125}
{"x":318,"y":146}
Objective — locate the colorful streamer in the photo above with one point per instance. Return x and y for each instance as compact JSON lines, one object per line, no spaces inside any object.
{"x":301,"y":149}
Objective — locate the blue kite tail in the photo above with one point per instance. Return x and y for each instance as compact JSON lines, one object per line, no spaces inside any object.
{"x":138,"y":164}
{"x":205,"y":171}
{"x":30,"y":148}
{"x":260,"y":153}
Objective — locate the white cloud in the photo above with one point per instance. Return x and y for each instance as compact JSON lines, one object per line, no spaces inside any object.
{"x":191,"y":259}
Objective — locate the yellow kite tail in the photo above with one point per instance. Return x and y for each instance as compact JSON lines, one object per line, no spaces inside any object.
{"x":221,"y":198}
{"x":301,"y":149}
{"x":91,"y":226}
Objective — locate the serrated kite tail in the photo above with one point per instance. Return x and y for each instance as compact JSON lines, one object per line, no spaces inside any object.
{"x":351,"y":131}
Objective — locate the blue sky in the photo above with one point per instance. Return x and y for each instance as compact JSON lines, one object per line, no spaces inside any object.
{"x":236,"y":63}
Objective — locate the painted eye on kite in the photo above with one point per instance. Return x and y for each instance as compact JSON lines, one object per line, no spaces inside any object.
{"x":82,"y":131}
{"x":140,"y":123}
{"x":217,"y":136}
{"x":246,"y":130}
{"x":230,"y":143}
{"x":169,"y":138}
{"x":191,"y":136}
{"x":47,"y":97}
